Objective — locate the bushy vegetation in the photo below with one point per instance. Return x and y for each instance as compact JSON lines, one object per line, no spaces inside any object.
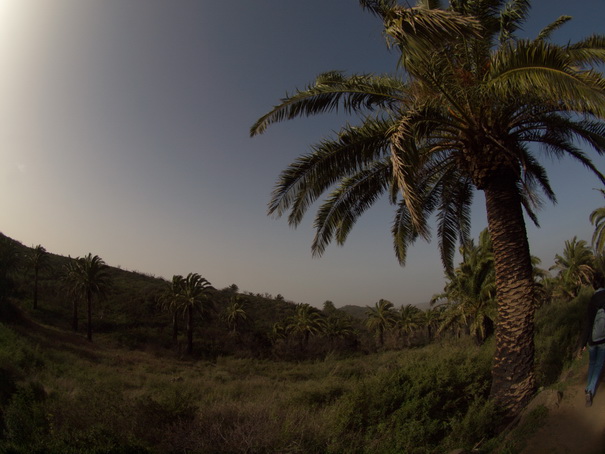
{"x":286,"y":377}
{"x":59,"y":393}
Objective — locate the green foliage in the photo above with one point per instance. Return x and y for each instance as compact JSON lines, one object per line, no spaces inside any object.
{"x":575,"y":268}
{"x":470,"y":293}
{"x":99,"y":399}
{"x":25,"y":419}
{"x":557,"y":331}
{"x":415,"y":406}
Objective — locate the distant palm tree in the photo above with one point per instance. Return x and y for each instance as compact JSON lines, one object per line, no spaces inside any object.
{"x":195,"y":297}
{"x":576,"y":267}
{"x":307,"y":321}
{"x":470,"y":292}
{"x":70,"y":273}
{"x":337,"y":327}
{"x":380,"y":319}
{"x":408,"y":321}
{"x":37,"y":258}
{"x":235,"y":314}
{"x":464,"y":112}
{"x":170,"y":300}
{"x":541,"y":277}
{"x":88,"y":277}
{"x":430,"y":319}
{"x":278,"y":332}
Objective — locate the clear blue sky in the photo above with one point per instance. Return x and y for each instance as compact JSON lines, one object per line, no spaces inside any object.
{"x":124,"y":133}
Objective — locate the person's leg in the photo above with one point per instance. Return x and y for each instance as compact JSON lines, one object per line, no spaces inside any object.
{"x":591,"y":382}
{"x":599,"y":365}
{"x":596,"y":358}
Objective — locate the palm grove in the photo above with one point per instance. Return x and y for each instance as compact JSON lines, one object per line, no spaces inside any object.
{"x":473,"y":107}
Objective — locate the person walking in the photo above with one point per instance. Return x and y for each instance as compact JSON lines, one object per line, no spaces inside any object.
{"x":593,"y":337}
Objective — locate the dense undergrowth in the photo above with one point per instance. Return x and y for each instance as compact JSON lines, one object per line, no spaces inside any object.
{"x":133,"y":390}
{"x":60,"y":394}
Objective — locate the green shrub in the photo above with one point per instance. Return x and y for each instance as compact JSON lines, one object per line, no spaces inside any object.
{"x":25,"y":419}
{"x":557,"y":332}
{"x":413,"y":408}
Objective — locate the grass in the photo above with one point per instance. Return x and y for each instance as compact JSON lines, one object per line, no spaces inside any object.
{"x":66,"y":394}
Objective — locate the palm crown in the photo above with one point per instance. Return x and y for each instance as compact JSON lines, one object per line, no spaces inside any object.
{"x":87,"y":276}
{"x":464,"y":109}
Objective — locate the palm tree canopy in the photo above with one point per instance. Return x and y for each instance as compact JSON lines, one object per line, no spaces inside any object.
{"x":381,"y":316}
{"x":307,"y":320}
{"x":575,"y":267}
{"x":194,"y":293}
{"x":470,"y":100}
{"x":470,"y":292}
{"x":37,"y":257}
{"x":88,"y":275}
{"x":409,"y":318}
{"x":172,"y":293}
{"x":235,"y":313}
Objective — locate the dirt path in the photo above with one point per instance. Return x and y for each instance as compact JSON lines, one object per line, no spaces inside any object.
{"x":571,"y":428}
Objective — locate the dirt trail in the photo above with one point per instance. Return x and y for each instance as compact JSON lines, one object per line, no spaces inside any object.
{"x":571,"y":427}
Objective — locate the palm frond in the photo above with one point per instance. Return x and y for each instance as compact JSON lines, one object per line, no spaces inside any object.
{"x":417,"y":29}
{"x":453,"y":216}
{"x":403,"y":232}
{"x":589,"y":51}
{"x":333,"y":91}
{"x":550,"y":28}
{"x":542,"y":71}
{"x":337,"y":215}
{"x":512,"y":17}
{"x":597,"y":218}
{"x":304,"y":181}
{"x":378,"y":7}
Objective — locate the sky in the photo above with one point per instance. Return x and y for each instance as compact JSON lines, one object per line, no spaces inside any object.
{"x":124,"y":132}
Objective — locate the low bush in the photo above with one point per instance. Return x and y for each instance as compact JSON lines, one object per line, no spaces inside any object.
{"x":417,"y":405}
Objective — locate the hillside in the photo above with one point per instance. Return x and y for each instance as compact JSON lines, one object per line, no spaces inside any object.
{"x":131,"y":314}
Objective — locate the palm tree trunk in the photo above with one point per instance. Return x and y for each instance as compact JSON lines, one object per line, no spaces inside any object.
{"x":175,"y":327}
{"x":89,"y":304}
{"x":512,"y":370}
{"x":190,"y":329}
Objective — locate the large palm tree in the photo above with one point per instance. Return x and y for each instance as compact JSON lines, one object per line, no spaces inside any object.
{"x":461,"y":115}
{"x":88,"y":277}
{"x":195,"y":297}
{"x":37,"y":258}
